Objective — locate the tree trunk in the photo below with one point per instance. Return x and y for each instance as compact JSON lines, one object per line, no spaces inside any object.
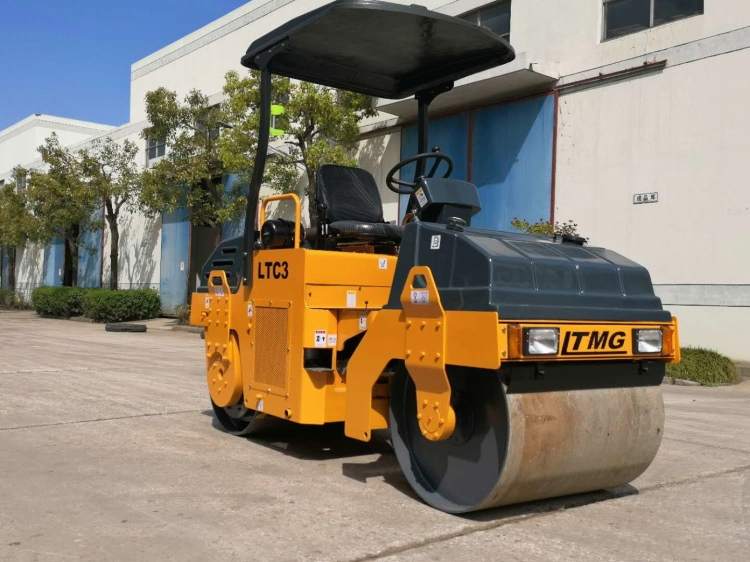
{"x":217,"y":240}
{"x":70,"y":259}
{"x":12,"y":269}
{"x":312,"y":199}
{"x":67,"y":279}
{"x":114,"y":253}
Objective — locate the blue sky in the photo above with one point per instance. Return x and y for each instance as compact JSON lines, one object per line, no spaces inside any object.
{"x":72,"y":58}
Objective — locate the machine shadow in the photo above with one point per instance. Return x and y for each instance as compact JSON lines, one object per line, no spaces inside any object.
{"x":328,"y":442}
{"x":539,"y":507}
{"x":311,"y":442}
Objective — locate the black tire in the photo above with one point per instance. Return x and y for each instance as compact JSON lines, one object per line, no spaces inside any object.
{"x":235,"y":420}
{"x":125,"y":327}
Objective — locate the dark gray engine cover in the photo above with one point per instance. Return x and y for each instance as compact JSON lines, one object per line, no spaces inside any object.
{"x":525,"y":277}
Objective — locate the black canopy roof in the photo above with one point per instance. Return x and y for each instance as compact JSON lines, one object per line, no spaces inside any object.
{"x":379,"y":48}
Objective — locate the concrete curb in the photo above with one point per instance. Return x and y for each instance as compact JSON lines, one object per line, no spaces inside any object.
{"x":190,"y":329}
{"x":680,"y":382}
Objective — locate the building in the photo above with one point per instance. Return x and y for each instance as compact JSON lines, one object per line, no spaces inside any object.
{"x":625,"y":116}
{"x":18,"y":146}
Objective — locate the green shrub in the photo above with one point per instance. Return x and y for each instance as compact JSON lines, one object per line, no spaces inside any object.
{"x":11,"y":299}
{"x":58,"y":301}
{"x":103,"y":305}
{"x":704,"y":366}
{"x":182,"y":313}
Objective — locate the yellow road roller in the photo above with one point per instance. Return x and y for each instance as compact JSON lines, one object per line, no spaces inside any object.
{"x":508,"y":367}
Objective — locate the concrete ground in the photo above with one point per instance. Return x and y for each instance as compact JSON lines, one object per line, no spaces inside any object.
{"x":107,"y":452}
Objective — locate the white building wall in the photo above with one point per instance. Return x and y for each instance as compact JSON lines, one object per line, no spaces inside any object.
{"x":378,"y":155}
{"x":569,"y":33}
{"x":19,"y":143}
{"x":680,"y":133}
{"x":202,"y":59}
{"x":29,"y":270}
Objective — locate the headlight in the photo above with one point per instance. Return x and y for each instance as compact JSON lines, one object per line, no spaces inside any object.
{"x":542,"y":341}
{"x":648,"y":341}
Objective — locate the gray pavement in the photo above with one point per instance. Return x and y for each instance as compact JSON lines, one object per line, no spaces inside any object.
{"x":107,"y":452}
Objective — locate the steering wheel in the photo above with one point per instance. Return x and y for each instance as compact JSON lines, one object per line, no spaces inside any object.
{"x":392,"y":183}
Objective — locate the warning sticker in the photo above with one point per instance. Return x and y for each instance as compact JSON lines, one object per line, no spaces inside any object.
{"x":435,"y":243}
{"x":351,"y":299}
{"x":249,"y":310}
{"x":208,"y":302}
{"x":260,"y":406}
{"x":420,"y":297}
{"x":219,"y":291}
{"x":421,"y":197}
{"x":332,"y":340}
{"x":320,"y":338}
{"x":363,"y":321}
{"x":383,"y":263}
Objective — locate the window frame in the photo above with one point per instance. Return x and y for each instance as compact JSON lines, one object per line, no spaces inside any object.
{"x":652,"y":9}
{"x":151,"y":161}
{"x":489,"y":5}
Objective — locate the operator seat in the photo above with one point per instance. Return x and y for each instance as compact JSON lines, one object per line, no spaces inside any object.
{"x":350,"y":208}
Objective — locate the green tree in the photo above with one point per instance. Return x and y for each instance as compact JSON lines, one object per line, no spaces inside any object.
{"x":63,"y":203}
{"x":321,"y":126}
{"x":546,"y":228}
{"x":17,"y":224}
{"x":111,"y":172}
{"x":191,"y":174}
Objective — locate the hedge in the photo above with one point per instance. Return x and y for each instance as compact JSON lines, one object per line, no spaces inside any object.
{"x":704,"y":366}
{"x":11,"y":299}
{"x":101,"y":305}
{"x":58,"y":301}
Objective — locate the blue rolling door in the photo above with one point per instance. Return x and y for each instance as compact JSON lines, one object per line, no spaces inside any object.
{"x":53,"y":263}
{"x":451,"y":135}
{"x":512,"y":161}
{"x":175,"y":252}
{"x":4,"y":269}
{"x":90,"y":259}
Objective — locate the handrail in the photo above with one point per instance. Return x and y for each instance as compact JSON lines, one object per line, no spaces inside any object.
{"x":297,"y":214}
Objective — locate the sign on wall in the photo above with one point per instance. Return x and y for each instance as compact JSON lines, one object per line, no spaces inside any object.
{"x":639,"y":198}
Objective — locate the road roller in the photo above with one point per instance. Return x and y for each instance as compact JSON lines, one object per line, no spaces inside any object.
{"x":507,"y":367}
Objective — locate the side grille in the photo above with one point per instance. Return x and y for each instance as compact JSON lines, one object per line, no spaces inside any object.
{"x":271,"y":329}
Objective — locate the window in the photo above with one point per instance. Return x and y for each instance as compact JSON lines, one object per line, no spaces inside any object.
{"x":211,"y":116}
{"x":21,"y":182}
{"x":156,"y":148}
{"x":623,"y":17}
{"x":496,"y":17}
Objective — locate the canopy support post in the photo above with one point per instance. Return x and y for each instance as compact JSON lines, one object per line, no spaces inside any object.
{"x":259,"y":165}
{"x":424,"y":99}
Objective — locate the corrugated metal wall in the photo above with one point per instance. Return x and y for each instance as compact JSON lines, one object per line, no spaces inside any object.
{"x":175,"y":252}
{"x":90,"y":259}
{"x":4,"y":269}
{"x":512,"y":161}
{"x":53,"y":263}
{"x":451,"y":134}
{"x":506,"y":150}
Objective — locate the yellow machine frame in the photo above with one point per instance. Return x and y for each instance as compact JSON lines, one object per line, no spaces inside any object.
{"x":309,"y":299}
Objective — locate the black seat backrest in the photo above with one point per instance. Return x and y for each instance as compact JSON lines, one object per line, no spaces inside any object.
{"x":350,"y":194}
